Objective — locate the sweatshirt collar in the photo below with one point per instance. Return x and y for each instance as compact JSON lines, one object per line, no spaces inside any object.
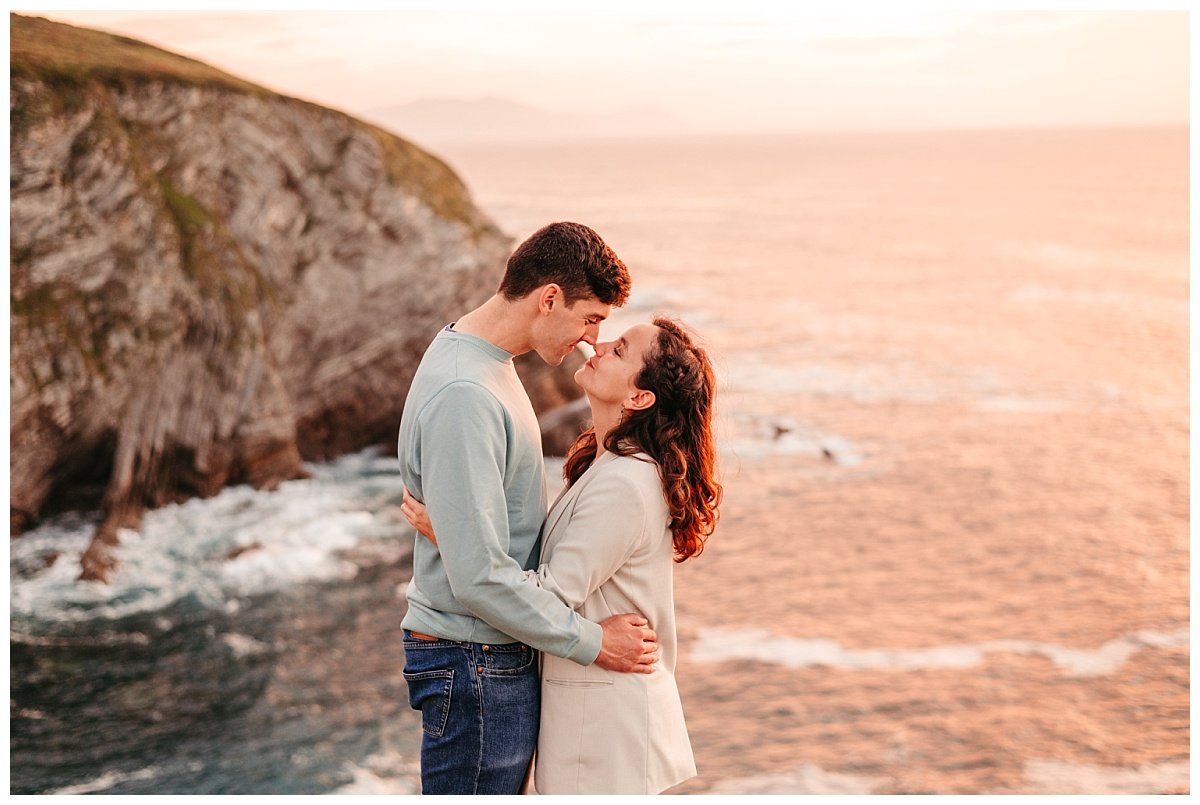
{"x":486,"y":346}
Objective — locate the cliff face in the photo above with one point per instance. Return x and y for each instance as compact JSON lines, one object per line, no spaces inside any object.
{"x":211,"y":283}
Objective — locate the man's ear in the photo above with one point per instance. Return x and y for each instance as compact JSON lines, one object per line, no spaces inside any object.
{"x":548,"y":297}
{"x":639,"y":400}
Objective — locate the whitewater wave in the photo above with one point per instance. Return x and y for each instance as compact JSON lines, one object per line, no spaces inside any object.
{"x":241,"y":542}
{"x":720,"y":645}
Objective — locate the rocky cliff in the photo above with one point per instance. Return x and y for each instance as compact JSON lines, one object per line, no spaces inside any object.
{"x":211,"y":283}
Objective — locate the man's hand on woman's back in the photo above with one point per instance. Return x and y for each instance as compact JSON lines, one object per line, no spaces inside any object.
{"x":629,"y":645}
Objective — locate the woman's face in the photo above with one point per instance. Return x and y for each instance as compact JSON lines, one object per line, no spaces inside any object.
{"x":609,"y":376}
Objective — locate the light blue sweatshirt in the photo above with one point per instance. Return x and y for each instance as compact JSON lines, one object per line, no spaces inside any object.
{"x":471,"y":450}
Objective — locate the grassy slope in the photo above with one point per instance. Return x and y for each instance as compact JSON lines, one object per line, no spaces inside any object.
{"x":71,"y":59}
{"x":58,"y":54}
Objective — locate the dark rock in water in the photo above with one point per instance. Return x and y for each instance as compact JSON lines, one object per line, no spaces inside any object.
{"x":243,"y":549}
{"x":562,"y":413}
{"x":211,"y":283}
{"x":99,"y":561}
{"x":563,"y":425}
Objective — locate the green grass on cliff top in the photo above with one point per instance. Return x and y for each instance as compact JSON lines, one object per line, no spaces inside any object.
{"x":56,"y":52}
{"x":64,"y":56}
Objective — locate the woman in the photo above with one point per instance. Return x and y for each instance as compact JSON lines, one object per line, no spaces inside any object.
{"x":640,"y":492}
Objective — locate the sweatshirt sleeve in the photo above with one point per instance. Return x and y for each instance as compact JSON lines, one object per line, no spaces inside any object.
{"x":463,"y":444}
{"x":605,"y":527}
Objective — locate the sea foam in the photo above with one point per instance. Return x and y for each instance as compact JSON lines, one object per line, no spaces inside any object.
{"x":239,"y":542}
{"x":719,"y":645}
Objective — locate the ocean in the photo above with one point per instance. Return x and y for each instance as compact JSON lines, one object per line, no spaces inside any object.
{"x":953,"y":414}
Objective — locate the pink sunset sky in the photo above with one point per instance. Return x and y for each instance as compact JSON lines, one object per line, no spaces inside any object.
{"x":740,"y":67}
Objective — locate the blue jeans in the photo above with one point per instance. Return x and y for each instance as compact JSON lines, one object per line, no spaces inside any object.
{"x":479,"y":706}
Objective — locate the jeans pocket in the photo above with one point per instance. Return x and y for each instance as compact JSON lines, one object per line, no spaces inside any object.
{"x":429,"y":692}
{"x":509,"y":659}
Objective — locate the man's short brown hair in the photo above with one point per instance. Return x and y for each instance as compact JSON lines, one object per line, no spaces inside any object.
{"x":572,"y":256}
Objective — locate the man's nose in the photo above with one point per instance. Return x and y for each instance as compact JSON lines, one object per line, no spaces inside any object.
{"x":591,"y":333}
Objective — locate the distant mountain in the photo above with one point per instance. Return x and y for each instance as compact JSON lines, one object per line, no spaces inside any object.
{"x":449,"y":120}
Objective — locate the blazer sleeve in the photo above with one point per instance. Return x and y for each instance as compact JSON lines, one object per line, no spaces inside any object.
{"x":606,"y":526}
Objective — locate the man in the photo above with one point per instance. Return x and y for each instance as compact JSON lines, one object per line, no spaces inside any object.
{"x":470,"y":449}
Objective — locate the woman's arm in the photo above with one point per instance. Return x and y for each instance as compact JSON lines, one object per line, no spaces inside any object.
{"x":418,"y":516}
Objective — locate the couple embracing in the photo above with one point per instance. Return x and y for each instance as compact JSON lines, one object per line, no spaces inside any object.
{"x":553,"y":630}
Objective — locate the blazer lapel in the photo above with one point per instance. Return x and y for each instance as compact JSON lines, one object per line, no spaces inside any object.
{"x":561,"y":505}
{"x":566,"y":500}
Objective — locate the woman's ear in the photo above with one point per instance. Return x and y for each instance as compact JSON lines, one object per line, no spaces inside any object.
{"x":639,"y":400}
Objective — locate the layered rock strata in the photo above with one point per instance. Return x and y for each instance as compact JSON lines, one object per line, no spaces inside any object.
{"x":211,"y":283}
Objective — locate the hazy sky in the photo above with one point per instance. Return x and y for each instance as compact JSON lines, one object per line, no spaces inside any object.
{"x":718,"y":69}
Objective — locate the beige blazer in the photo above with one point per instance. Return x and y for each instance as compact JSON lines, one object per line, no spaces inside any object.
{"x":606,"y":549}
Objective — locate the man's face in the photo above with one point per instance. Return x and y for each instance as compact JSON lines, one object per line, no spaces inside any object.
{"x":567,"y":325}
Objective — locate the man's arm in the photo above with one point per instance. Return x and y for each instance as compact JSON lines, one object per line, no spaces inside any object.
{"x":629,"y":644}
{"x":463,"y":454}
